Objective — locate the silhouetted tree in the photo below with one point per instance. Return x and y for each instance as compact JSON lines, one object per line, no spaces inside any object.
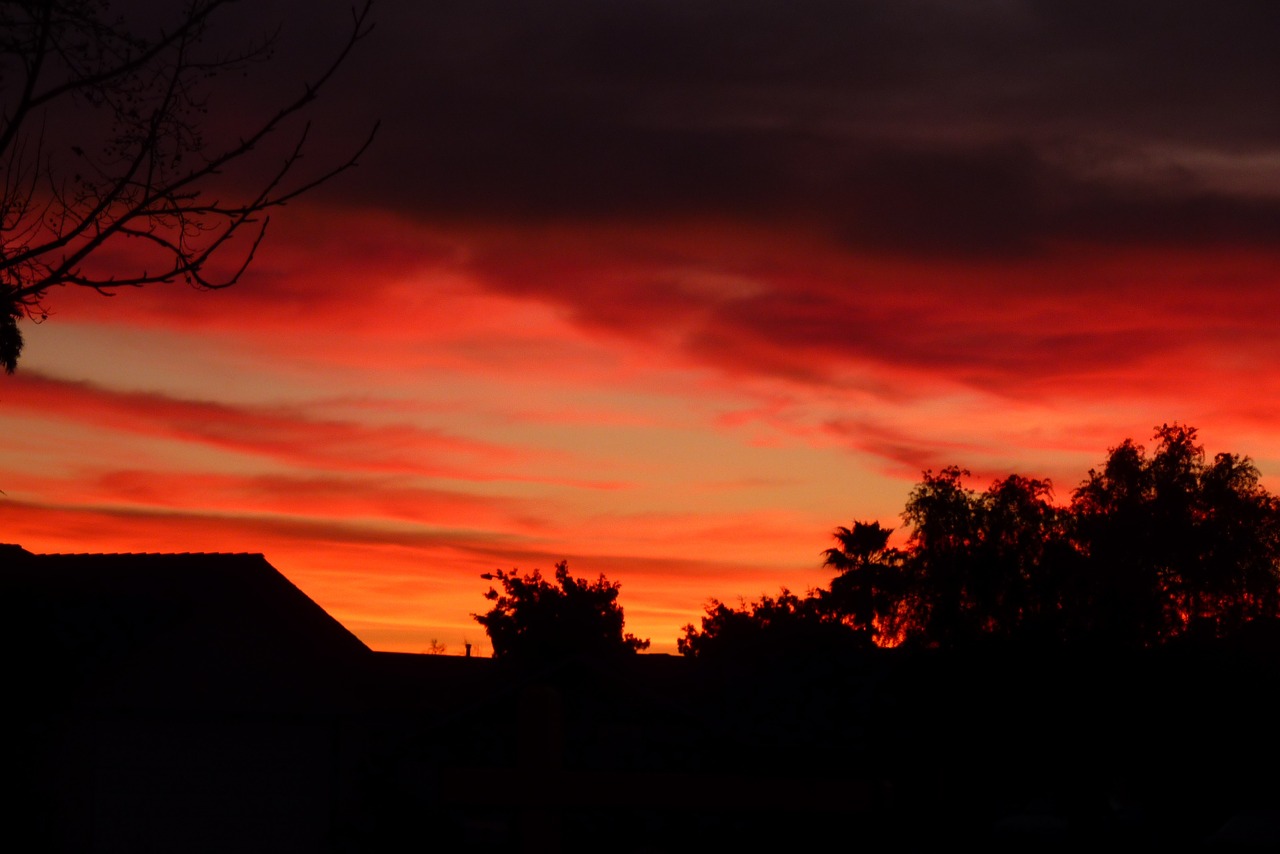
{"x":1017,"y":586}
{"x":779,"y":628}
{"x":870,"y":593}
{"x":1176,"y":544}
{"x":943,"y":516}
{"x":1150,"y":548}
{"x":107,"y":137}
{"x":989,"y":564}
{"x":533,"y":619}
{"x":1239,"y":578}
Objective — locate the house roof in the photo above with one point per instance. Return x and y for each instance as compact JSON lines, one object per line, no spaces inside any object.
{"x":202,"y":629}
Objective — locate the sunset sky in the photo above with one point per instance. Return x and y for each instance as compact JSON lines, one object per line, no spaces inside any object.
{"x":671,"y":289}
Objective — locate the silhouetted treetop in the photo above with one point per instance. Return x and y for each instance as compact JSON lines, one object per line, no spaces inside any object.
{"x":866,"y":594}
{"x":1152,"y":547}
{"x":533,"y":619}
{"x":1177,"y":543}
{"x":773,"y":629}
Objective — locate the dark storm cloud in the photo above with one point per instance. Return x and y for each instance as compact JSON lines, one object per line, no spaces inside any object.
{"x":924,"y":127}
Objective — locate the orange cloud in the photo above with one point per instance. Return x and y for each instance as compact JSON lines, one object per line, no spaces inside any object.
{"x":282,"y":433}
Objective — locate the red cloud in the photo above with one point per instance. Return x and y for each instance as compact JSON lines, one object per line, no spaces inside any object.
{"x":282,"y":433}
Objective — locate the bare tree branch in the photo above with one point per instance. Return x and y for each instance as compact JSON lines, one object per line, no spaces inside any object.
{"x":148,"y":178}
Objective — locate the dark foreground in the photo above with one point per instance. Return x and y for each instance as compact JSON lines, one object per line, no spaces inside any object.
{"x":202,"y":703}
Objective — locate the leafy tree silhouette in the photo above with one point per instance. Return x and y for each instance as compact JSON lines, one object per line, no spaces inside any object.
{"x":1176,"y":544}
{"x":533,"y":619}
{"x":1150,"y":548}
{"x":772,"y":628}
{"x":943,"y":515}
{"x":984,"y":564}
